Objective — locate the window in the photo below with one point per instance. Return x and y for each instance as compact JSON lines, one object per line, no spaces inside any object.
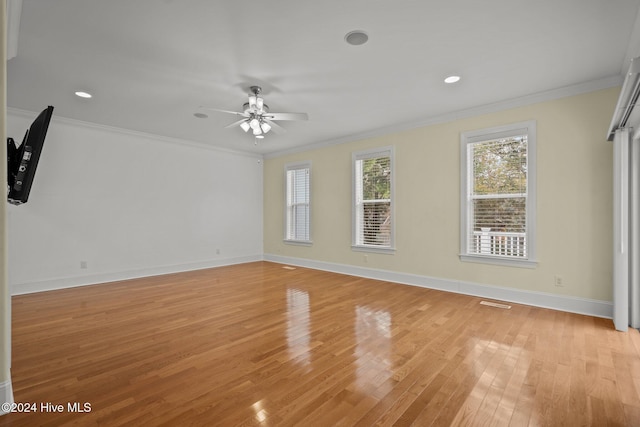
{"x":498,"y":195}
{"x":298,"y":178}
{"x":373,"y":200}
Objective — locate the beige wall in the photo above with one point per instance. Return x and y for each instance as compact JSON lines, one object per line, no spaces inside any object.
{"x":5,"y":299}
{"x":574,"y":200}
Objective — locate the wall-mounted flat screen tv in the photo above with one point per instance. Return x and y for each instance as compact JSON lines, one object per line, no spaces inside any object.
{"x":22,"y":160}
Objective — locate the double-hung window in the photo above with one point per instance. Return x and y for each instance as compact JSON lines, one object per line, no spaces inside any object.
{"x":498,"y":198}
{"x":373,"y":227}
{"x":297,"y":203}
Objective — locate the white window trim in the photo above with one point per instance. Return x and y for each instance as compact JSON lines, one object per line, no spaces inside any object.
{"x":528,"y":127}
{"x":288,"y":167}
{"x":368,"y":154}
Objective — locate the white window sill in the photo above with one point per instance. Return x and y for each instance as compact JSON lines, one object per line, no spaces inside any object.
{"x":374,"y":249}
{"x":298,"y":242}
{"x":496,"y":260}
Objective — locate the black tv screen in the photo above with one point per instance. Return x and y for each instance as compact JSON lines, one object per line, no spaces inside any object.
{"x":22,"y":160}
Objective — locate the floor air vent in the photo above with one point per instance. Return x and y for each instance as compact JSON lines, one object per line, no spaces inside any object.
{"x":495,"y":304}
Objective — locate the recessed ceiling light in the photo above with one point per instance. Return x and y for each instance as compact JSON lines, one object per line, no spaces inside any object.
{"x":82,"y":94}
{"x":200,"y":115}
{"x":356,"y":37}
{"x":452,"y":79}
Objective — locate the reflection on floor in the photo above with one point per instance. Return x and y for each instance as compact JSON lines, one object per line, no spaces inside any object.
{"x":256,"y":344}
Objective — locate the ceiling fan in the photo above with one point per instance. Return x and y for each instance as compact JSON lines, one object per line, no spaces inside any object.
{"x":257,"y":117}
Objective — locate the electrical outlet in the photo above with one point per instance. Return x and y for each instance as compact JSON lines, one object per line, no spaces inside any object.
{"x":366,"y":258}
{"x":558,"y":281}
{"x":217,"y":251}
{"x":83,"y":264}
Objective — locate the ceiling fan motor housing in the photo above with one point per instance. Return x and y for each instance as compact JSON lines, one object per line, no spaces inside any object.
{"x":247,"y":109}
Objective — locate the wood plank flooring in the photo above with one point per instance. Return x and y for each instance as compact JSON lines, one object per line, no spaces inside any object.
{"x":257,"y":344}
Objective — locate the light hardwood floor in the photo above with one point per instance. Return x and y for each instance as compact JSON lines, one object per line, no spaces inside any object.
{"x":258,"y":344}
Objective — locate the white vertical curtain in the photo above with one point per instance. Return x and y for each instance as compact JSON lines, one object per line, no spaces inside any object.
{"x":620,"y":230}
{"x":634,"y":231}
{"x":626,"y":230}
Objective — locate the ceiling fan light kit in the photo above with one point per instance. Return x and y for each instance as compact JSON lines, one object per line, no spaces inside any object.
{"x":256,"y":115}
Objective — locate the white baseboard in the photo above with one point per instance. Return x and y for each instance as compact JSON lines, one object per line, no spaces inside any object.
{"x":590,"y":307}
{"x":72,"y":282}
{"x":570,"y":304}
{"x":6,"y":394}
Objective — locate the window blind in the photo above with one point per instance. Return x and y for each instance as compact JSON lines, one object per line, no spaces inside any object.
{"x":497,"y":198}
{"x":373,"y":199}
{"x":297,"y":203}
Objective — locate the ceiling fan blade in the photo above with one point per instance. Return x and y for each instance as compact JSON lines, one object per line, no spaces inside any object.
{"x":225,"y":111}
{"x":276,"y":127}
{"x":287,"y":116}
{"x":235,"y":123}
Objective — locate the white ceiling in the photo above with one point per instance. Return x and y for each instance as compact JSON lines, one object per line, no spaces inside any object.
{"x":151,"y":63}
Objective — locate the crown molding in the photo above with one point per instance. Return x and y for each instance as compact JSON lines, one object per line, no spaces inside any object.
{"x":128,"y":132}
{"x":535,"y":98}
{"x":633,"y":49}
{"x":549,"y":95}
